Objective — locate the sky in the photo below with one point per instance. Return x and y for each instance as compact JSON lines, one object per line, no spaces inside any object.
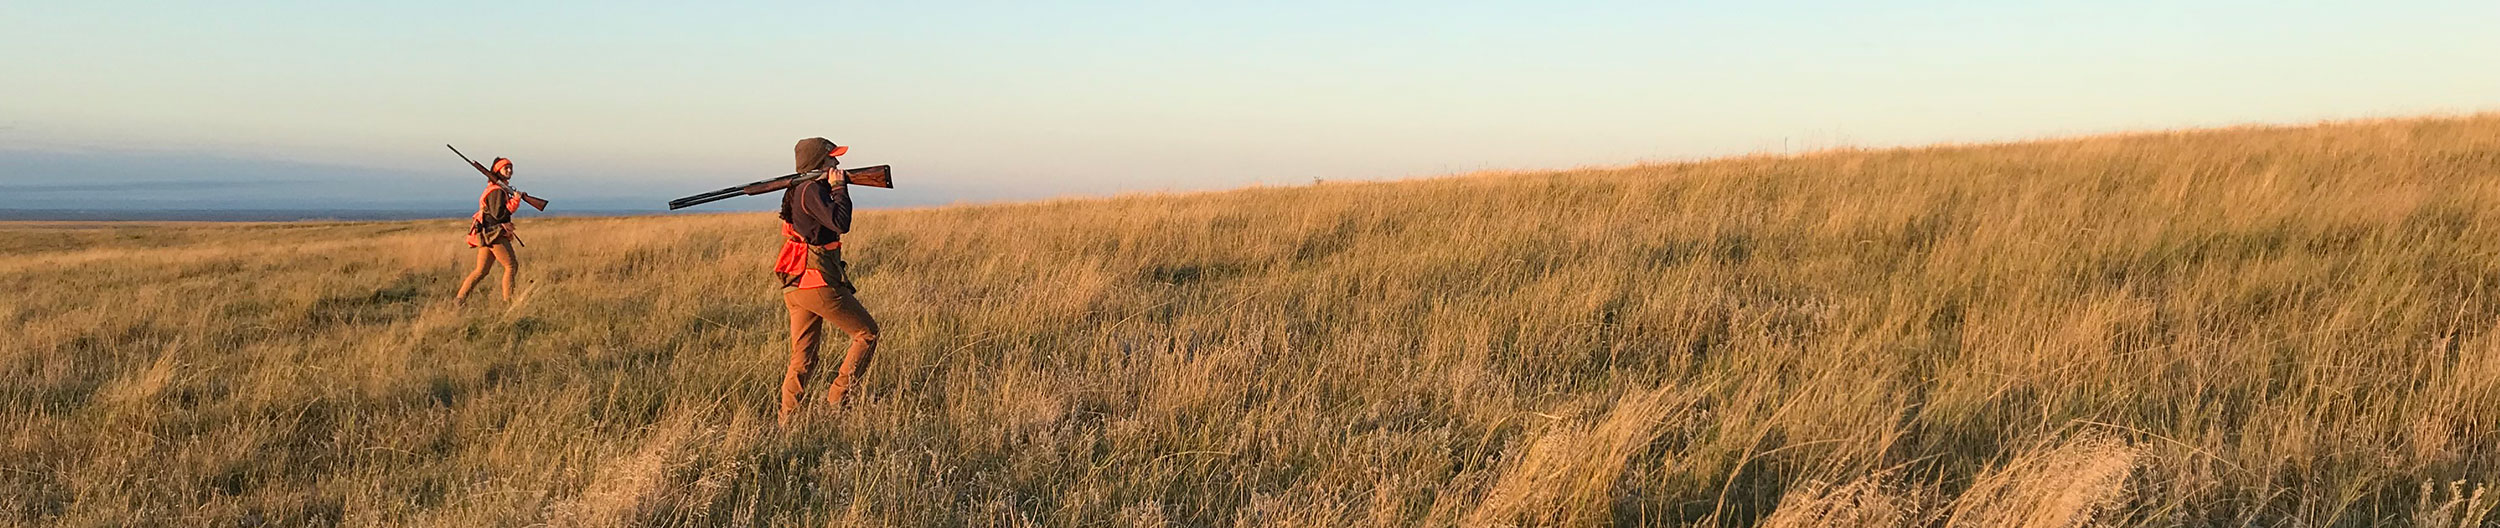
{"x":620,"y":106}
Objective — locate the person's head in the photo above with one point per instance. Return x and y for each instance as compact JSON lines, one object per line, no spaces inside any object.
{"x":502,"y":167}
{"x":818,"y":153}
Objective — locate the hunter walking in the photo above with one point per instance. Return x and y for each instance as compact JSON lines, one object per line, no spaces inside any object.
{"x":815,"y":212}
{"x":490,"y":230}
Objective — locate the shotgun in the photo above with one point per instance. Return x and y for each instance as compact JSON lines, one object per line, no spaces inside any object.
{"x":535,"y":202}
{"x":880,"y":176}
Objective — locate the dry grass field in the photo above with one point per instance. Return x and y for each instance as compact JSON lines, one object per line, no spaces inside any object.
{"x":2291,"y":326}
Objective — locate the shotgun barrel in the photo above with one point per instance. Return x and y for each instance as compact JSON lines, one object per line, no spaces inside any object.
{"x":705,"y":198}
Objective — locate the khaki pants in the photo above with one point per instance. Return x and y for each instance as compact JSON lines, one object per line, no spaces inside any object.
{"x":808,"y":307}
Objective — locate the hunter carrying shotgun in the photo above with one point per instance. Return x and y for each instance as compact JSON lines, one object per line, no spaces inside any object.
{"x":490,"y":228}
{"x":815,"y":212}
{"x":815,"y":283}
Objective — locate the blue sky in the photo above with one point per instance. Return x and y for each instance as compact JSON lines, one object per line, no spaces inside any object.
{"x":623,"y":105}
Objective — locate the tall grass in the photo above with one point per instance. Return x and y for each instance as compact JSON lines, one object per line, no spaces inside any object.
{"x":2251,"y":326}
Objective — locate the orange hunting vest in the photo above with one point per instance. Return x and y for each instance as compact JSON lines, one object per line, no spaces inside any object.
{"x":803,"y":266}
{"x":486,"y":230}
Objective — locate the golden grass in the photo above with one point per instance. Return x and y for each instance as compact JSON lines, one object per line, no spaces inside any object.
{"x":2252,"y":326}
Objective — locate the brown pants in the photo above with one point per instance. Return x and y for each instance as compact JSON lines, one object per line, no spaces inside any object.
{"x":808,"y":307}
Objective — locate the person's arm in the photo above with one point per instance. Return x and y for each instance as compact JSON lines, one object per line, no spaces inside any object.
{"x":838,"y":206}
{"x":822,"y":204}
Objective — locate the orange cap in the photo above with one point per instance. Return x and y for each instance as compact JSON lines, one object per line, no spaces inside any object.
{"x":839,"y":150}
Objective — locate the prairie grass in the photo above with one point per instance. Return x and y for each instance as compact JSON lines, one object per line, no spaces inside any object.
{"x":2251,"y":326}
